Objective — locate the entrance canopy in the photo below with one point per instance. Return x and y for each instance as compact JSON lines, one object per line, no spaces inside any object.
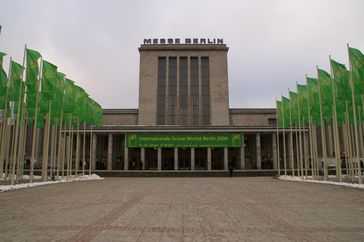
{"x":184,"y":140}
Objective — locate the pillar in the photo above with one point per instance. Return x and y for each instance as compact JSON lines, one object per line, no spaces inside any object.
{"x":176,"y":157}
{"x":94,"y":144}
{"x":242,"y":156}
{"x":226,"y":161}
{"x":159,"y":155}
{"x":192,"y":158}
{"x":209,"y":158}
{"x":109,"y":153}
{"x":126,"y":158}
{"x":258,"y":154}
{"x":142,"y":157}
{"x":274,"y":151}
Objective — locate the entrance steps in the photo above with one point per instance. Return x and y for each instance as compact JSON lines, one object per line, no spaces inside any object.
{"x":184,"y":173}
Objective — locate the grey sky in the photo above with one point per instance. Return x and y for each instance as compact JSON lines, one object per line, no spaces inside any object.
{"x":273,"y":43}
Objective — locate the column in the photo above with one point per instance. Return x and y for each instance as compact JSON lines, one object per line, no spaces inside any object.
{"x":176,"y":158}
{"x":259,"y":158}
{"x":126,"y":158}
{"x":242,"y":156}
{"x":94,"y":144}
{"x":274,"y":149}
{"x":226,"y":161}
{"x":192,"y":158}
{"x":142,"y":157}
{"x":109,"y":153}
{"x":159,"y":155}
{"x":209,"y":158}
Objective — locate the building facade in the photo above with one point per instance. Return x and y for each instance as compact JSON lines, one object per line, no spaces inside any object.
{"x":184,"y":121}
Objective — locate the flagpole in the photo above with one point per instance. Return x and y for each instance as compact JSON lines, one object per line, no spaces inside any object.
{"x":336,"y":129}
{"x":46,"y":143}
{"x":355,"y":121}
{"x":59,"y":144}
{"x":91,"y":141}
{"x":34,"y":135}
{"x":284,"y":142}
{"x":299,"y":128}
{"x":17,"y":122}
{"x":278,"y":155}
{"x":84,"y":150}
{"x":310,"y":131}
{"x":323,"y":132}
{"x":291,"y":137}
{"x":77,"y":160}
{"x":4,"y":132}
{"x":349,"y":137}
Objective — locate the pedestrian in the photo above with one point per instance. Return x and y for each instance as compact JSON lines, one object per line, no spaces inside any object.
{"x":231,"y":170}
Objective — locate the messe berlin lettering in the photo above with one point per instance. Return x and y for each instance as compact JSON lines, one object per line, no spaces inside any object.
{"x":186,"y":41}
{"x":184,"y":140}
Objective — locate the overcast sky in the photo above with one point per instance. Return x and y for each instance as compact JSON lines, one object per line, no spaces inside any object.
{"x":273,"y":43}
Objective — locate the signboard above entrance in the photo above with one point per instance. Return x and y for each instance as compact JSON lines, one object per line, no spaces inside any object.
{"x":196,"y":140}
{"x":177,"y":41}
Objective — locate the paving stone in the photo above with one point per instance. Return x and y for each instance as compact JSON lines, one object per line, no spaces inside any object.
{"x":183,"y":209}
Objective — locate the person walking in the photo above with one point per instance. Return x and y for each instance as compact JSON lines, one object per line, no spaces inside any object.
{"x":231,"y":170}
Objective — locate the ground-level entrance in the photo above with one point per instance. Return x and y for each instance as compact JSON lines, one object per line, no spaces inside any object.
{"x":183,"y":151}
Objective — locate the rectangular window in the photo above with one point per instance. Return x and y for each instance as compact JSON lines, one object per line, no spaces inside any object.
{"x":195,"y":90}
{"x":205,"y":89}
{"x":172,"y":91}
{"x":161,"y":95}
{"x":183,"y":91}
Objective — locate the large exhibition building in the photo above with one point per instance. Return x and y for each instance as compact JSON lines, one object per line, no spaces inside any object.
{"x":184,"y":121}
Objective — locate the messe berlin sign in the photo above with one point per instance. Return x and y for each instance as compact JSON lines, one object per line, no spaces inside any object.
{"x":176,"y":41}
{"x":184,"y":140}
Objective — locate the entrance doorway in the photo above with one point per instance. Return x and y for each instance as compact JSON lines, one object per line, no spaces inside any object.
{"x":151,"y":158}
{"x":200,"y":158}
{"x":217,"y":158}
{"x":184,"y":158}
{"x":167,"y":158}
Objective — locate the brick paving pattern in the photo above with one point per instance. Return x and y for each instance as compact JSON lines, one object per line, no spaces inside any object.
{"x":183,"y":209}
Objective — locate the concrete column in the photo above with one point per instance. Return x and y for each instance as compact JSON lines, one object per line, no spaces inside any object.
{"x":126,"y":158}
{"x":159,"y":155}
{"x":274,"y":149}
{"x":259,"y":158}
{"x":192,"y":158}
{"x":242,"y":157}
{"x":176,"y":157}
{"x":209,"y":158}
{"x":142,"y":157}
{"x":109,"y":153}
{"x":226,"y":160}
{"x":94,"y":145}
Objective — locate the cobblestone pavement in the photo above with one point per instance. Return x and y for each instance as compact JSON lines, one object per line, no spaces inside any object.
{"x":183,"y":209}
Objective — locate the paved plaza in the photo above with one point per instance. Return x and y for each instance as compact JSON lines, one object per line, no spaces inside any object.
{"x":183,"y":209}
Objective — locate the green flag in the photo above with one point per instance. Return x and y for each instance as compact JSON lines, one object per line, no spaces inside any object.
{"x":3,"y":79}
{"x":294,"y":107}
{"x":357,"y":70}
{"x":279,"y":113}
{"x":341,"y":88}
{"x":32,"y":71}
{"x":16,"y":71}
{"x":1,"y":58}
{"x":303,"y":104}
{"x":49,"y":76}
{"x":327,"y":102}
{"x":286,"y":111}
{"x":313,"y":99}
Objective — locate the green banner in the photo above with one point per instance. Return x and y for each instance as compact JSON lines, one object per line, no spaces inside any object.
{"x":184,"y":140}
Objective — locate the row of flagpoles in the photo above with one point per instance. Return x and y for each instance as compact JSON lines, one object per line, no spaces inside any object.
{"x":331,"y":101}
{"x":36,"y":95}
